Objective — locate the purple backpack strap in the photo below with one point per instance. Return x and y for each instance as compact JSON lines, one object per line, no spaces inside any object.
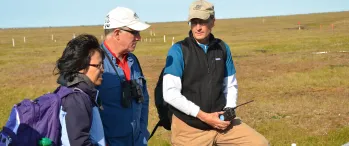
{"x":63,"y":91}
{"x":7,"y":136}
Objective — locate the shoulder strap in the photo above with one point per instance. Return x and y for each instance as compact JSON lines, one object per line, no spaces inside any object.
{"x":63,"y":91}
{"x":222,"y":44}
{"x":158,"y":87}
{"x":159,"y":83}
{"x":155,"y":128}
{"x":138,"y":64}
{"x":111,"y":63}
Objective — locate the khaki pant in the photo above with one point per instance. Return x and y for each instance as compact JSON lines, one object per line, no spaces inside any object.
{"x":239,"y":134}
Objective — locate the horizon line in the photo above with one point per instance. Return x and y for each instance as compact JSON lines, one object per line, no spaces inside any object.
{"x":91,"y":25}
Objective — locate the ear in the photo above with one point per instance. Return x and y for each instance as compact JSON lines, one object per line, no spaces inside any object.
{"x":116,"y":33}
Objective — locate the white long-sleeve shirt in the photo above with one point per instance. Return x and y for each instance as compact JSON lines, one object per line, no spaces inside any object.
{"x":172,"y":87}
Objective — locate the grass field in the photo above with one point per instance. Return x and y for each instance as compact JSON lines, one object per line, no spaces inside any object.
{"x":300,"y":96}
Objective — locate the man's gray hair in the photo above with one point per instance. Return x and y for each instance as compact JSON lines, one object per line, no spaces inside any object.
{"x":108,"y":31}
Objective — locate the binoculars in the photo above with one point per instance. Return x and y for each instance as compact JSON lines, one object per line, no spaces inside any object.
{"x":131,"y":90}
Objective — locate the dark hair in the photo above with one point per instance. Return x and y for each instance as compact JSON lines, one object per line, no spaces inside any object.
{"x":77,"y":56}
{"x":211,"y":17}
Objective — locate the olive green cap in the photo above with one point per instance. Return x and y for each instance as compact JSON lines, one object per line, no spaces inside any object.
{"x":201,"y":9}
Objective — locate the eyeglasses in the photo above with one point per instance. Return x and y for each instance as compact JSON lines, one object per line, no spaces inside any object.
{"x":99,"y":66}
{"x":134,"y":32}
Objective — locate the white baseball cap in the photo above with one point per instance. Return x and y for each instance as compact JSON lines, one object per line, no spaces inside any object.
{"x":121,"y":16}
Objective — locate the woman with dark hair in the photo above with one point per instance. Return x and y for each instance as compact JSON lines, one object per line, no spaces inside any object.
{"x":80,"y":68}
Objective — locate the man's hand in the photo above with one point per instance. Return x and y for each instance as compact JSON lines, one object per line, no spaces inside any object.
{"x":213,"y":120}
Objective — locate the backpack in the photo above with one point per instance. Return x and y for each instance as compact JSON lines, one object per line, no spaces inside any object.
{"x":32,"y":120}
{"x":164,"y":112}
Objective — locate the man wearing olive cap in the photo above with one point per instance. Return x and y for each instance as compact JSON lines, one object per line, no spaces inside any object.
{"x":199,"y":83}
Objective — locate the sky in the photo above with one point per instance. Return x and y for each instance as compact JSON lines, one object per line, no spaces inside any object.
{"x":44,"y":13}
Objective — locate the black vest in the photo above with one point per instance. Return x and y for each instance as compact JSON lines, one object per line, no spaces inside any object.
{"x":202,"y":80}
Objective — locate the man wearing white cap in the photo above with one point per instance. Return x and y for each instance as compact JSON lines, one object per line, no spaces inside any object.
{"x":200,"y":85}
{"x":123,"y":93}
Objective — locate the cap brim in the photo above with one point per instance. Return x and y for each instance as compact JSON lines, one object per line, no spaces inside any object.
{"x":202,"y":16}
{"x":139,"y":26}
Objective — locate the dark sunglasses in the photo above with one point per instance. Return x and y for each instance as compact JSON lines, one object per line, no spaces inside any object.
{"x":134,"y":32}
{"x":99,"y":66}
